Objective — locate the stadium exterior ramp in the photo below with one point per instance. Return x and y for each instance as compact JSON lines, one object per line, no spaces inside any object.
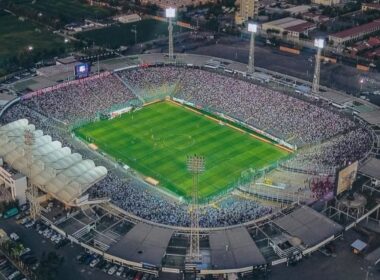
{"x":55,"y":170}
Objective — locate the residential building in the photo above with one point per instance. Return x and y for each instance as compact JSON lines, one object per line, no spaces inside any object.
{"x":317,"y":18}
{"x":296,"y":10}
{"x":354,"y":33}
{"x":370,"y":6}
{"x":328,"y":2}
{"x":248,"y":9}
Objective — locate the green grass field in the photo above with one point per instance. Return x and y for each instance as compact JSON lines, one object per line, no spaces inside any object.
{"x":63,"y":11}
{"x":157,"y":139}
{"x":17,"y":35}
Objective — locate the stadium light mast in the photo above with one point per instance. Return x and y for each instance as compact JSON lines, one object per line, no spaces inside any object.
{"x":195,"y":165}
{"x":31,"y":190}
{"x":134,"y":30}
{"x":252,"y":28}
{"x":170,"y":14}
{"x":319,"y":44}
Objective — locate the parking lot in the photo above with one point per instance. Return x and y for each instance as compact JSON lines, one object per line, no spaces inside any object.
{"x":38,"y":240}
{"x":8,"y":270}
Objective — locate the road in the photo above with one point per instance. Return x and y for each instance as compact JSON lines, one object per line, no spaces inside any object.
{"x":338,"y":76}
{"x":345,"y":266}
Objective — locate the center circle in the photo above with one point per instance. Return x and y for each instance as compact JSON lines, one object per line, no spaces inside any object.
{"x":178,"y":141}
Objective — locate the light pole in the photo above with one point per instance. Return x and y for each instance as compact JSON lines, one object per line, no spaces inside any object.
{"x":170,"y":14}
{"x":252,"y":27}
{"x":361,"y":84}
{"x":319,"y":44}
{"x":134,"y":30}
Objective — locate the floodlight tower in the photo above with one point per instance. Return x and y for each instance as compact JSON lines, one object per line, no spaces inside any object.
{"x":319,"y":44}
{"x":31,"y":190}
{"x":252,"y":28}
{"x":195,"y":165}
{"x":170,"y":14}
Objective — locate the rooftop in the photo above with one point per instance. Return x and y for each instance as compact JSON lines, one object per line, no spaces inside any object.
{"x":301,"y":27}
{"x":357,"y":29}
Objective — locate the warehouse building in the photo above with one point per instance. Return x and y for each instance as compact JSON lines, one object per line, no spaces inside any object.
{"x":290,"y":26}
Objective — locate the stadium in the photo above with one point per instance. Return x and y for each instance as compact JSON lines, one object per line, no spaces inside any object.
{"x":112,"y":150}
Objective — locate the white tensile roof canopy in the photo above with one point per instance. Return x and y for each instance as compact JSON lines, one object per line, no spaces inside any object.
{"x":56,"y":170}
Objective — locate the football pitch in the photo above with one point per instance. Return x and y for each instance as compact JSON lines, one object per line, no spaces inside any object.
{"x":156,"y":140}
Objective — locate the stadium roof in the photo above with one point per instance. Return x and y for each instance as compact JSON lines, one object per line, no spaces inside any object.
{"x":55,"y":169}
{"x":308,"y":225}
{"x":234,"y":248}
{"x":371,"y":168}
{"x":371,"y":117}
{"x":144,"y":243}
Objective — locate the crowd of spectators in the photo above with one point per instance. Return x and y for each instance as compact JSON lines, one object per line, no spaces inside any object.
{"x":284,"y":116}
{"x":149,"y":81}
{"x":82,"y":100}
{"x":329,"y":139}
{"x":332,"y":140}
{"x":336,"y":152}
{"x":135,"y":198}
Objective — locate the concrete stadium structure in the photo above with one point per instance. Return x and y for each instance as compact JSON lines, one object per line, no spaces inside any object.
{"x":285,"y":236}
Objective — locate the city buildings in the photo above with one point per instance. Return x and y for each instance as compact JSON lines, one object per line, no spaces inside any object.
{"x":354,"y":33}
{"x":248,"y":10}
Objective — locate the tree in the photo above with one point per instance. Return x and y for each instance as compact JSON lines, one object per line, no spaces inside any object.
{"x":49,"y":266}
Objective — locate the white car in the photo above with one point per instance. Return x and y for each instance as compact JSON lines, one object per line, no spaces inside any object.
{"x":30,"y":224}
{"x":58,"y":239}
{"x":14,"y":236}
{"x":94,"y":262}
{"x":25,"y":251}
{"x":14,"y":274}
{"x":120,"y":271}
{"x":54,"y":237}
{"x":48,"y":234}
{"x":25,"y":221}
{"x":112,"y":270}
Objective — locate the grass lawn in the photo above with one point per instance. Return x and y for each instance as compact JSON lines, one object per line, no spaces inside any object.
{"x":122,"y":35}
{"x":66,"y":11}
{"x":16,"y":36}
{"x":157,"y":139}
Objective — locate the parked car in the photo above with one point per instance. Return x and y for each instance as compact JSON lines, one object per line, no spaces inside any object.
{"x":30,"y":224}
{"x":61,"y":243}
{"x":14,"y":236}
{"x":41,"y":230}
{"x":14,"y":274}
{"x":25,"y":251}
{"x":138,"y":276}
{"x":112,"y":270}
{"x":107,"y":267}
{"x":25,"y":221}
{"x":120,"y":271}
{"x":94,"y":262}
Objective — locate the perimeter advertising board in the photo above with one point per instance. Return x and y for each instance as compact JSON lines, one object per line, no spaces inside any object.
{"x":345,"y":177}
